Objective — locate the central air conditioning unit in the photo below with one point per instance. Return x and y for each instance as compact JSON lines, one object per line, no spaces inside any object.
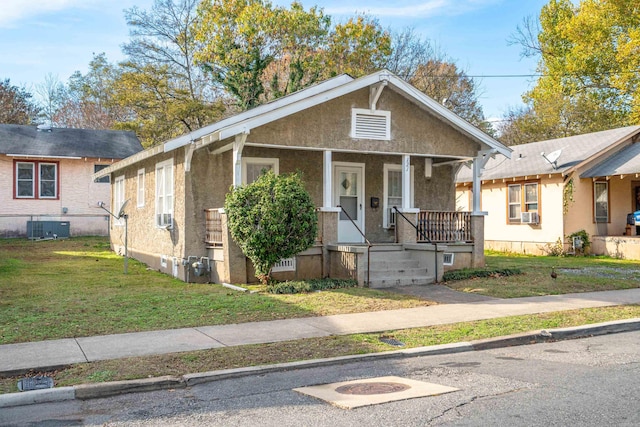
{"x":529,"y":218}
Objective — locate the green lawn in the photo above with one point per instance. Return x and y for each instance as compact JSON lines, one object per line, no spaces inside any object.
{"x":76,"y":287}
{"x":575,"y":274}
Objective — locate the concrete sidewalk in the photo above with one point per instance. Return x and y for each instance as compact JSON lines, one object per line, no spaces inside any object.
{"x":19,"y":358}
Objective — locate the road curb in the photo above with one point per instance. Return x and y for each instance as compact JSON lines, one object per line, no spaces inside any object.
{"x":106,"y":389}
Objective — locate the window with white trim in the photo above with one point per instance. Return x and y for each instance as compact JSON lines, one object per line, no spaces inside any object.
{"x":36,"y":180}
{"x":118,"y":198}
{"x":253,"y":167}
{"x":392,"y":192}
{"x":164,"y":194}
{"x":140,"y":188}
{"x":522,"y":197}
{"x":370,"y":124}
{"x":601,"y":201}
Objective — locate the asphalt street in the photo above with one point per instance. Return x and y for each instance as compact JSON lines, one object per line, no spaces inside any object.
{"x":586,"y":382}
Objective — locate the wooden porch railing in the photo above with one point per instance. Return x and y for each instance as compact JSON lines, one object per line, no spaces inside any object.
{"x":440,"y":226}
{"x":213,"y":227}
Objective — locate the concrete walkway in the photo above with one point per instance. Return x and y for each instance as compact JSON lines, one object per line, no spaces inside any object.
{"x":18,"y":358}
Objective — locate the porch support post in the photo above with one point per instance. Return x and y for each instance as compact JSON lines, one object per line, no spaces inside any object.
{"x":477,"y":233}
{"x":406,"y":182}
{"x":327,"y":183}
{"x":238,"y":145}
{"x":479,"y":163}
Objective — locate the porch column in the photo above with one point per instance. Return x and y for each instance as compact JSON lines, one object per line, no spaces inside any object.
{"x":238,"y":145}
{"x":327,"y":183}
{"x":477,"y":233}
{"x":406,"y":182}
{"x":479,"y":162}
{"x":327,"y":215}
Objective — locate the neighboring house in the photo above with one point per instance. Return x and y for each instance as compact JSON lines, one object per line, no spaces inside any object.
{"x":586,"y":182}
{"x":47,"y":174}
{"x":363,"y":146}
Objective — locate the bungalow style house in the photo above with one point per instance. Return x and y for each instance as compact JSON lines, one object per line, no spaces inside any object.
{"x":378,"y":157}
{"x":549,"y":190}
{"x":47,"y":173}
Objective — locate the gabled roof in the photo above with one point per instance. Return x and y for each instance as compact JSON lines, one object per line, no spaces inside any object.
{"x":336,"y":87}
{"x":323,"y":92}
{"x":23,"y":140}
{"x":575,"y":151}
{"x":624,"y":162}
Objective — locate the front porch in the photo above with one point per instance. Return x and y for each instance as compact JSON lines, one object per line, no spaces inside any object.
{"x":427,"y":243}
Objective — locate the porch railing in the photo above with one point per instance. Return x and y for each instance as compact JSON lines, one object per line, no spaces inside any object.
{"x":213,"y":227}
{"x":438,"y":226}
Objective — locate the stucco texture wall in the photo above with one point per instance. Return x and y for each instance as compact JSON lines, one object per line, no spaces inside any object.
{"x":413,"y":130}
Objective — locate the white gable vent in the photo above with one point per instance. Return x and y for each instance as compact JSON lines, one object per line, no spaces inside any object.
{"x":368,"y":124}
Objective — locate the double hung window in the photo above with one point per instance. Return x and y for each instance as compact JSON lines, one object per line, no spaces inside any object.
{"x":36,"y":180}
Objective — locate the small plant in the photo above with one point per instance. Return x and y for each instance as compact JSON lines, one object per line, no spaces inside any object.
{"x":472,"y":273}
{"x":584,"y":238}
{"x":305,"y":286}
{"x":556,"y":249}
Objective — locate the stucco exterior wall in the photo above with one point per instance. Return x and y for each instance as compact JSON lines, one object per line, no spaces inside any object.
{"x":146,"y":241}
{"x":77,"y":193}
{"x":328,"y":125}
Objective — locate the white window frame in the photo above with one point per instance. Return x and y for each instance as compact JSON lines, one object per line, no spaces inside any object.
{"x":140,"y":188}
{"x":274,"y":162}
{"x":164,"y":196}
{"x":596,"y":218}
{"x":33,"y":180}
{"x":55,"y":180}
{"x":385,"y":191}
{"x":377,"y":116}
{"x":118,"y":198}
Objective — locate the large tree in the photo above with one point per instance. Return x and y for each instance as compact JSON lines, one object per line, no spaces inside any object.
{"x":16,"y":105}
{"x":259,"y":52}
{"x":589,"y":62}
{"x":167,"y":93}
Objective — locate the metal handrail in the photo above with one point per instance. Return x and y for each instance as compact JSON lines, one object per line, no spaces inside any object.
{"x":365,"y":239}
{"x":421,"y":233}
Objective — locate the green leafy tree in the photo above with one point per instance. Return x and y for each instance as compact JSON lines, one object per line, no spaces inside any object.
{"x":259,"y":52}
{"x":271,"y":219}
{"x":166,"y":93}
{"x":589,"y":65}
{"x":17,"y":107}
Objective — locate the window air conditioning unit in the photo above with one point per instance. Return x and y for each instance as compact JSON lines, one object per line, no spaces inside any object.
{"x":529,"y":218}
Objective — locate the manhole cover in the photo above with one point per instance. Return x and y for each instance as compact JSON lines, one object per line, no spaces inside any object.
{"x":372,"y":388}
{"x":391,"y":341}
{"x":35,"y":383}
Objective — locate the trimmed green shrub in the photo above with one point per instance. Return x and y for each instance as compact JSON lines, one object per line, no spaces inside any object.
{"x":271,"y":219}
{"x":305,"y":286}
{"x":470,"y":273}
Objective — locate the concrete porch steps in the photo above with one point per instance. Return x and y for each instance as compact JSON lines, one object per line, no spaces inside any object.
{"x":395,"y":267}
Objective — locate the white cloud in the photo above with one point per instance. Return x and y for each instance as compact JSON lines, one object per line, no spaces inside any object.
{"x":15,"y":10}
{"x":412,"y":9}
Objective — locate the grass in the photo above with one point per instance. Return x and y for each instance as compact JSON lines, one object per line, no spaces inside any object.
{"x":575,"y":274}
{"x":253,"y":355}
{"x":71,"y":288}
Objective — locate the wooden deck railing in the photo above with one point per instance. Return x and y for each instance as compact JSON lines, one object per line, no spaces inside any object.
{"x":440,"y":226}
{"x":213,"y":227}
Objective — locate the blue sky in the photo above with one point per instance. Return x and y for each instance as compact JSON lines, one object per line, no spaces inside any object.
{"x":38,"y":37}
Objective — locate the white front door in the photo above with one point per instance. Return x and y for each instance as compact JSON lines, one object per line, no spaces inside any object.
{"x":348,"y":190}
